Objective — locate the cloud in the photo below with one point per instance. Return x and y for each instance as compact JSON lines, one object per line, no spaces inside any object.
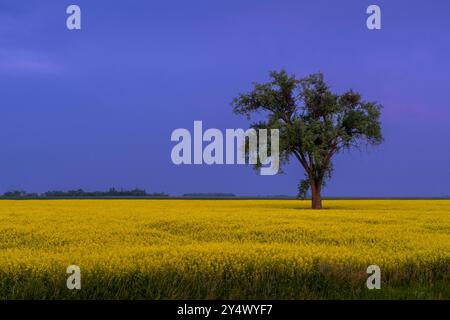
{"x":27,"y":62}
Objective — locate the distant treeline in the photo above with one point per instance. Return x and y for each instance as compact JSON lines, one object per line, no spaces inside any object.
{"x":79,"y":193}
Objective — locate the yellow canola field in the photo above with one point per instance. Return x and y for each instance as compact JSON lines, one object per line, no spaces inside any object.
{"x":211,"y":247}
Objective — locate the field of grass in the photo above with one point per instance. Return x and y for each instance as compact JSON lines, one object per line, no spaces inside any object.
{"x":230,"y":249}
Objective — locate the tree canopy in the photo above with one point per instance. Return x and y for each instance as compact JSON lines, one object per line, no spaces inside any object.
{"x":314,"y":123}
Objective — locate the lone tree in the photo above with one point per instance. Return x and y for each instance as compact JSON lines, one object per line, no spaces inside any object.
{"x":314,"y":123}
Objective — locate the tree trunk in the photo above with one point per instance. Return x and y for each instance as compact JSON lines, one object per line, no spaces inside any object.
{"x":316,"y":196}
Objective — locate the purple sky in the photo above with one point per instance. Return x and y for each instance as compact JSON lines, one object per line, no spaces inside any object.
{"x":95,"y":108}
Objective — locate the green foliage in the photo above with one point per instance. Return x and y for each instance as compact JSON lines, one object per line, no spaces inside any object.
{"x":315,"y":124}
{"x":19,"y":194}
{"x":112,"y":192}
{"x":303,"y":188}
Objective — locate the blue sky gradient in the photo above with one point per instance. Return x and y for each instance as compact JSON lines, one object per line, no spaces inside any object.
{"x":95,"y":108}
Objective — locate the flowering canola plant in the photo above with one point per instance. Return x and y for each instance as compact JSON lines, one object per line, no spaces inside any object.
{"x":208,"y":249}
